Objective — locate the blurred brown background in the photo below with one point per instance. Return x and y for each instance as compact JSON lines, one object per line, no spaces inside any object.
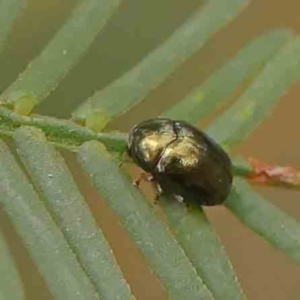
{"x":264,"y":272}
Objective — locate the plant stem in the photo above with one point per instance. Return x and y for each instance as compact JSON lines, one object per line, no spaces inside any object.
{"x":69,"y":135}
{"x":62,"y":133}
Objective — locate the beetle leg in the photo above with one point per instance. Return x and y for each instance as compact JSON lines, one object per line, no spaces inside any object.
{"x":179,"y":198}
{"x":150,"y":178}
{"x":142,"y":177}
{"x":159,"y":192}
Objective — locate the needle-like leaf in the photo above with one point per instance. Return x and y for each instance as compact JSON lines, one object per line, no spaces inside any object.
{"x":10,"y":284}
{"x":9,"y":10}
{"x":45,"y":72}
{"x":133,"y":86}
{"x":45,"y":242}
{"x":52,"y":178}
{"x":237,"y":122}
{"x":271,"y":223}
{"x":242,"y":69}
{"x":164,"y":255}
{"x":204,"y":249}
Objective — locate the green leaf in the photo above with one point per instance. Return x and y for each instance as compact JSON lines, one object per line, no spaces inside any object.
{"x":132,"y":87}
{"x":10,"y":284}
{"x":68,"y":208}
{"x":45,"y":242}
{"x":191,"y":227}
{"x":237,"y":122}
{"x":204,"y":249}
{"x":202,"y":256}
{"x":45,"y":72}
{"x":9,"y":10}
{"x":218,"y":88}
{"x":271,"y":223}
{"x":151,"y":236}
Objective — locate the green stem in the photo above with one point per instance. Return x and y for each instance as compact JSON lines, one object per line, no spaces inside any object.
{"x":69,"y":135}
{"x":62,"y":133}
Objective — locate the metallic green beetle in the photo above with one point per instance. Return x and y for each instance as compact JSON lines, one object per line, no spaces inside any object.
{"x":182,"y":160}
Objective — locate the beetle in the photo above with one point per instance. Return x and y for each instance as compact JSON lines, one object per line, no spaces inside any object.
{"x":182,"y":160}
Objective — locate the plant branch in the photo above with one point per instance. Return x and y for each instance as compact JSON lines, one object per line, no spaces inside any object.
{"x":63,"y":133}
{"x":69,"y":135}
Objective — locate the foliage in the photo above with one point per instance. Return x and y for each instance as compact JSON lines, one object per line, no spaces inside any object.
{"x":47,"y":208}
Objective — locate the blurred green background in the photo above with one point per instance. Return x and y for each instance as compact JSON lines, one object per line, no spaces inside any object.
{"x":137,"y":28}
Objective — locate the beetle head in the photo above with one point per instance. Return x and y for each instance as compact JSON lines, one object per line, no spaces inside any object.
{"x":147,"y":141}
